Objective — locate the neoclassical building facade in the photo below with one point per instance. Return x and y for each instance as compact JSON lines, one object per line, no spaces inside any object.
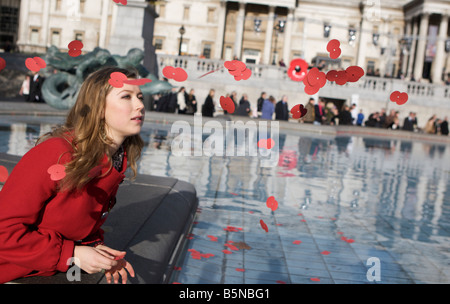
{"x":401,"y":38}
{"x":398,"y":38}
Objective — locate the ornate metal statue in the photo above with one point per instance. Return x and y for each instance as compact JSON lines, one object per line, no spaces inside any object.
{"x":60,"y":88}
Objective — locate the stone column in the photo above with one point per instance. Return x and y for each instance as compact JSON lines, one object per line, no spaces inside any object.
{"x":104,"y":23}
{"x":45,"y":21}
{"x":23,"y":25}
{"x":239,"y":30}
{"x":269,"y":34}
{"x":287,"y":36}
{"x":413,"y":48}
{"x":422,"y":44}
{"x":439,"y":60}
{"x":220,"y":30}
{"x":362,"y":45}
{"x":408,"y":56}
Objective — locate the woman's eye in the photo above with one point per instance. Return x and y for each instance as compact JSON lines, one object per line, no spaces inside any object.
{"x":126,"y":96}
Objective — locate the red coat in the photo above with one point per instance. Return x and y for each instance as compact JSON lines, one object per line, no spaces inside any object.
{"x":40,"y":226}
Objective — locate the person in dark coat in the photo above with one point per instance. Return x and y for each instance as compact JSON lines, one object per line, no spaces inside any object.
{"x":409,"y":122}
{"x":260,"y":102}
{"x":208,"y":108}
{"x":345,"y":117}
{"x":172,"y":105}
{"x":444,"y":126}
{"x":36,"y":82}
{"x":373,"y":120}
{"x":244,"y":107}
{"x":281,"y":109}
{"x":319,"y":113}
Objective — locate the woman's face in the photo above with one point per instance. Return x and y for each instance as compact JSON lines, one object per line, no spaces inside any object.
{"x":124,"y":112}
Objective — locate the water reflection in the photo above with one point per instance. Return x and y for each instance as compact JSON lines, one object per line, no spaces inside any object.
{"x":401,"y":188}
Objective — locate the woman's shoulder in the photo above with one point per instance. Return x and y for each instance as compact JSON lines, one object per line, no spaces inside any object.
{"x":51,"y":148}
{"x":56,"y":142}
{"x":45,"y":154}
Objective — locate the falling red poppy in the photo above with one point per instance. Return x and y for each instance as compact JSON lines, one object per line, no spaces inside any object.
{"x":177,"y":74}
{"x":232,"y":229}
{"x":333,"y":47}
{"x":75,"y":48}
{"x":354,"y":73}
{"x":263,"y":225}
{"x":399,"y":98}
{"x":298,"y":111}
{"x":266,"y":143}
{"x":227,"y":104}
{"x":272,"y":203}
{"x":138,"y":82}
{"x":116,"y":79}
{"x":57,"y":172}
{"x":3,"y":174}
{"x":2,"y":63}
{"x":238,"y":69}
{"x":232,"y":247}
{"x":298,"y":69}
{"x":340,"y":77}
{"x":314,"y":81}
{"x":212,"y":238}
{"x":35,"y":64}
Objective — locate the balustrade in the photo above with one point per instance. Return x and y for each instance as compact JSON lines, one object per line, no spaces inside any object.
{"x":376,"y":87}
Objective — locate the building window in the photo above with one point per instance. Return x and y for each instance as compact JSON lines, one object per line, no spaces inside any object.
{"x":186,"y":13}
{"x":82,"y":5}
{"x":9,"y":17}
{"x":228,"y":53}
{"x":211,"y":15}
{"x":370,"y":68}
{"x":184,"y":46}
{"x":56,"y":37}
{"x":207,"y":50}
{"x":79,"y":36}
{"x":34,"y":36}
{"x":58,"y":5}
{"x":158,"y":43}
{"x":162,"y":11}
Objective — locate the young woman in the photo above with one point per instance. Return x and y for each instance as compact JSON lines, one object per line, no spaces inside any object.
{"x":59,"y":194}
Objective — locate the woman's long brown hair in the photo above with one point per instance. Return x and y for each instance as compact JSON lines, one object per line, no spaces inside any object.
{"x":85,"y":129}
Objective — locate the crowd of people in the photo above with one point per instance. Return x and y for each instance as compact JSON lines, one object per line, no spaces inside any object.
{"x":318,"y":113}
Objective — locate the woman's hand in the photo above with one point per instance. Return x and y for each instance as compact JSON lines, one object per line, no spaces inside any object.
{"x":92,"y":260}
{"x":120,"y":268}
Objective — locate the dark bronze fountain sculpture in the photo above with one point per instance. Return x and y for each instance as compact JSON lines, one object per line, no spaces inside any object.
{"x":60,"y":88}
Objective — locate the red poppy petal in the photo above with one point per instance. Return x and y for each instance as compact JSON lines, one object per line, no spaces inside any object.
{"x":264,"y":226}
{"x":2,"y":63}
{"x":138,"y":82}
{"x":354,"y":73}
{"x":298,"y":68}
{"x":3,"y":174}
